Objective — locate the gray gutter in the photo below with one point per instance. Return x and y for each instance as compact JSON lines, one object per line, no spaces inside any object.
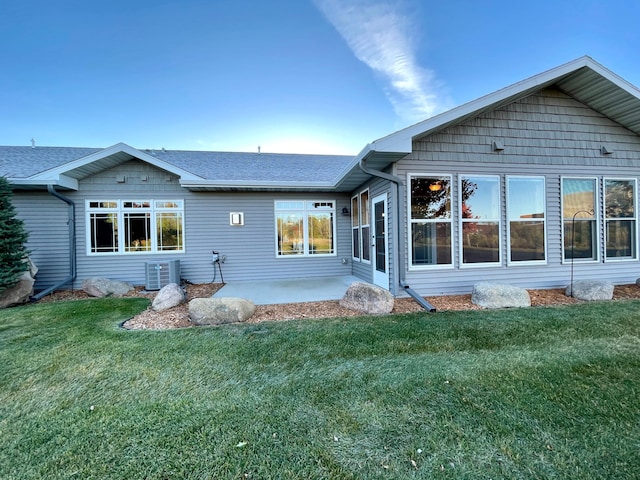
{"x":72,"y":244}
{"x":399,"y":190}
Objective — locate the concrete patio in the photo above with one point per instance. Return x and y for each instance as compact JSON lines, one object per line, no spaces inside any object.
{"x":269,"y":292}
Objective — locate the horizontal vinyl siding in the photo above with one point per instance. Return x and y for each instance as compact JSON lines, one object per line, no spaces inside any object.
{"x":547,"y":134}
{"x":46,"y":220}
{"x":250,"y":249}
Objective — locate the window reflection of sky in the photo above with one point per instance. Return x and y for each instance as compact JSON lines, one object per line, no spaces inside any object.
{"x":485,"y":201}
{"x":578,"y":195}
{"x":526,"y":198}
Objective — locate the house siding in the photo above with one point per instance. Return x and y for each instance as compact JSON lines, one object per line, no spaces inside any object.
{"x":250,"y":250}
{"x":548,"y":134}
{"x":46,"y":219}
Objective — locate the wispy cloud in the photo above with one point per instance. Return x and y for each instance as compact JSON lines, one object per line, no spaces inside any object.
{"x":380,"y":35}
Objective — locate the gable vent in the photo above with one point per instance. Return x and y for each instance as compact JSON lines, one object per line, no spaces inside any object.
{"x":159,"y":274}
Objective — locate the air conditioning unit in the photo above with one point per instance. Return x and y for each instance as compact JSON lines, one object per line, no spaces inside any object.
{"x":159,"y":274}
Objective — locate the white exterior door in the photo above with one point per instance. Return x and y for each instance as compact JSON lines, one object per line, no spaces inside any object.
{"x":379,"y":243}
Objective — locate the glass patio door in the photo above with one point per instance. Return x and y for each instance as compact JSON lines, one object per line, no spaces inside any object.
{"x":380,"y":260}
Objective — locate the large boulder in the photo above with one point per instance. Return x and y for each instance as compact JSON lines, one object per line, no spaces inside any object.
{"x":171,"y":295}
{"x":499,"y":295}
{"x":22,"y":291}
{"x":216,"y":311}
{"x":368,"y":298}
{"x":590,"y":290}
{"x":105,"y":287}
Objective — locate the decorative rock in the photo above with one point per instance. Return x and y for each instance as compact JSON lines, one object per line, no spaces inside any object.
{"x":497,"y":295}
{"x":590,"y":290}
{"x":216,"y":311}
{"x":104,"y":287}
{"x":169,"y":296}
{"x":368,"y":298}
{"x":22,"y":291}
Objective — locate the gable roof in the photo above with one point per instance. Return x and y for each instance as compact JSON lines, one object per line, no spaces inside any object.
{"x":583,"y":79}
{"x":33,"y":167}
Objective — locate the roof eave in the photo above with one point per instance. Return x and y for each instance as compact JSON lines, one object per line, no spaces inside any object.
{"x":62,"y":181}
{"x":114,"y":149}
{"x":230,"y":185}
{"x":401,"y":141}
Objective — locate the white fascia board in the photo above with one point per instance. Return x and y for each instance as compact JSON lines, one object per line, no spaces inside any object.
{"x":54,"y":173}
{"x":401,"y":141}
{"x":352,"y":164}
{"x":155,"y":161}
{"x":617,"y":80}
{"x":61,"y":181}
{"x":217,"y":184}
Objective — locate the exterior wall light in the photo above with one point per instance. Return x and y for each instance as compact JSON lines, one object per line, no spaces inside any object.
{"x":236,"y":219}
{"x":604,"y":150}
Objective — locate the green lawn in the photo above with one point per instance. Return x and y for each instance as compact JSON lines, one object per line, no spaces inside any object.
{"x":531,"y":393}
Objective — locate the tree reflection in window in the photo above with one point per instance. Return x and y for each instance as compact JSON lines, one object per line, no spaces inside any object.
{"x":620,"y":217}
{"x":430,"y":203}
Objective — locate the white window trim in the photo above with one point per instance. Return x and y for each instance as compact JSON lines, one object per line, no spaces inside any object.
{"x":368,"y":224}
{"x":544,"y":221}
{"x":597,"y":218}
{"x":411,"y":221}
{"x":356,"y":227}
{"x":605,"y":219}
{"x":120,"y":210}
{"x":461,"y":221}
{"x":305,"y":228}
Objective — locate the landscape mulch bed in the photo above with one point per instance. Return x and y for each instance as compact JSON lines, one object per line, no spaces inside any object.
{"x":178,"y":317}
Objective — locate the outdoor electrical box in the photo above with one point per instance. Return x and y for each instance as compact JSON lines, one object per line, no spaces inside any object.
{"x":160,"y":274}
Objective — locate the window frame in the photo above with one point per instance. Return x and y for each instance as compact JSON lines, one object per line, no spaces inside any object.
{"x":356,"y":237}
{"x":498,"y":221}
{"x":606,"y":219}
{"x":532,"y":220}
{"x":305,"y":214}
{"x":121,"y":212}
{"x":360,"y":220}
{"x":412,"y":221}
{"x":596,"y":219}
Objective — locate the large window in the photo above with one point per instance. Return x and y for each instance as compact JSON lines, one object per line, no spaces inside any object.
{"x":430,"y":213}
{"x":526,"y":214}
{"x":305,"y":227}
{"x":480,"y":218}
{"x":135,"y":226}
{"x":620,"y":218}
{"x":579,"y":218}
{"x":360,"y":227}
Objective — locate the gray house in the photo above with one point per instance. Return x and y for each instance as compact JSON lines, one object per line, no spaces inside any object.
{"x":519,"y":186}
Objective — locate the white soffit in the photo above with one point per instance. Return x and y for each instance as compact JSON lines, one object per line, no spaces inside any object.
{"x":584,"y":79}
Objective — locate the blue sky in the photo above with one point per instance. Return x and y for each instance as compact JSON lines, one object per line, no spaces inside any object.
{"x":305,"y":76}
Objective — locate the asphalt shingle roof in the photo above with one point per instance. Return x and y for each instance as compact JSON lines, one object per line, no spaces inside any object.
{"x":24,"y":162}
{"x":246,"y":167}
